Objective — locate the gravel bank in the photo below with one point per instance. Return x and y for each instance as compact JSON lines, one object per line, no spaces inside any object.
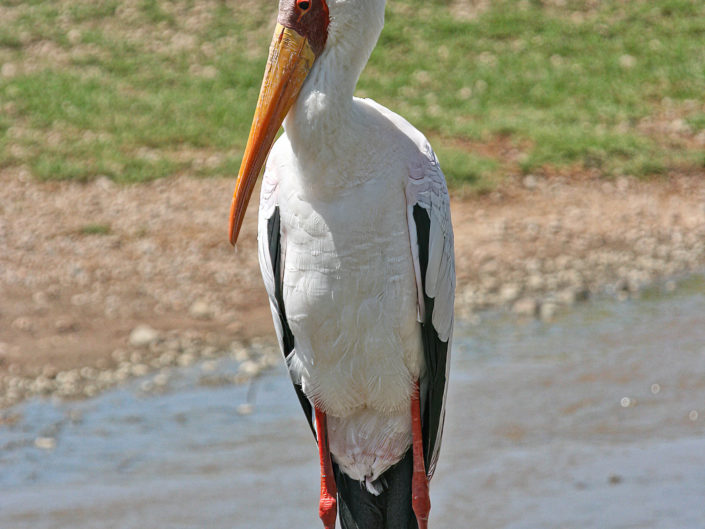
{"x":100,"y":282}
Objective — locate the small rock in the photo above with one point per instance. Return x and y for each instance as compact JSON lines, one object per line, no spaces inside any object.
{"x":526,"y":307}
{"x":209,"y":352}
{"x":139,"y":370}
{"x":186,"y":359}
{"x":49,"y":371}
{"x":248,"y":367}
{"x":582,"y":294}
{"x":240,"y":353}
{"x":509,"y":292}
{"x":547,"y":311}
{"x":209,"y":366}
{"x":23,"y":324}
{"x":65,"y":325}
{"x":245,"y":409}
{"x":566,"y":296}
{"x":143,"y":335}
{"x":41,"y":385}
{"x":161,"y":380}
{"x":201,"y":310}
{"x":535,"y":282}
{"x":622,"y":285}
{"x":40,"y":298}
{"x":167,"y":359}
{"x":106,"y":378}
{"x":45,"y":443}
{"x":529,"y":182}
{"x":88,"y":373}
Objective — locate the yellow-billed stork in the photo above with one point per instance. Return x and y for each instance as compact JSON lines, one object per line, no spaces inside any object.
{"x":356,"y":252}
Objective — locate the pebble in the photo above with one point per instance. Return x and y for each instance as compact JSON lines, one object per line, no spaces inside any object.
{"x":547,"y":311}
{"x":526,"y":307}
{"x":245,"y":409}
{"x":209,"y":366}
{"x":162,"y":379}
{"x":143,"y":335}
{"x":509,"y":292}
{"x":614,"y":479}
{"x":201,"y":310}
{"x":139,"y":370}
{"x":45,"y":443}
{"x":240,"y":353}
{"x":88,"y":373}
{"x":23,"y":323}
{"x":186,"y":359}
{"x":537,"y":286}
{"x":192,"y":346}
{"x":530,"y":181}
{"x":167,"y":358}
{"x":66,"y":325}
{"x":250,"y":368}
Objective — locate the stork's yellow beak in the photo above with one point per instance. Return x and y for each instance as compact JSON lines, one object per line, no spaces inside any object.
{"x":290,"y":60}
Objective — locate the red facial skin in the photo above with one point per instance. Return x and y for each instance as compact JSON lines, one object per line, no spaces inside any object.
{"x":311,"y":23}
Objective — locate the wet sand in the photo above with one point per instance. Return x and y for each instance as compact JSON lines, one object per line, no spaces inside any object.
{"x":594,"y":422}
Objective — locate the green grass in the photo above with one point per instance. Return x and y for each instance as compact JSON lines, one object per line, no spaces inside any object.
{"x":464,"y":168}
{"x":697,"y":121}
{"x":95,"y":229}
{"x":143,"y":89}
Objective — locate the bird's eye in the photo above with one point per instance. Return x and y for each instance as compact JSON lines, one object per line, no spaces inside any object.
{"x":303,"y":4}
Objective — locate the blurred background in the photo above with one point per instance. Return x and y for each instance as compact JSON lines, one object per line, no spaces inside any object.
{"x":140,"y":385}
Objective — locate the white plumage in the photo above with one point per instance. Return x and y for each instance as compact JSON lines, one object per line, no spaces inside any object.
{"x":351,"y":276}
{"x":356,"y":251}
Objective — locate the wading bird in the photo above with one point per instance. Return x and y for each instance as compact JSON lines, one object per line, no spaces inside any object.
{"x":356,"y":251}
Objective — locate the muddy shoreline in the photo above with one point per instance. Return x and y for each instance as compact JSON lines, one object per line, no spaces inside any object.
{"x":595,"y":421}
{"x":100,"y":282}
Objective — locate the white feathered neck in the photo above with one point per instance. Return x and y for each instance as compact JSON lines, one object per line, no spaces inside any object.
{"x":324,"y":122}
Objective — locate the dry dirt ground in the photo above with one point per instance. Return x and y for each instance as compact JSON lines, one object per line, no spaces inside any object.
{"x":84,"y":265}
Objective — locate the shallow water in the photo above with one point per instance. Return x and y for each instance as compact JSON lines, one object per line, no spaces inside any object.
{"x":594,"y":421}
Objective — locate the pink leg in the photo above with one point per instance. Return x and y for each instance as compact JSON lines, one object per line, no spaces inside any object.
{"x":420,"y":501}
{"x":327,"y":507}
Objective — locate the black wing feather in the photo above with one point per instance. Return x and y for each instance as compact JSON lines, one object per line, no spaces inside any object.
{"x":275,"y":253}
{"x":435,"y":350}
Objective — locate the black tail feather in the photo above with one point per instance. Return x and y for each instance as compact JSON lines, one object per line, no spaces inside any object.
{"x":360,"y":509}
